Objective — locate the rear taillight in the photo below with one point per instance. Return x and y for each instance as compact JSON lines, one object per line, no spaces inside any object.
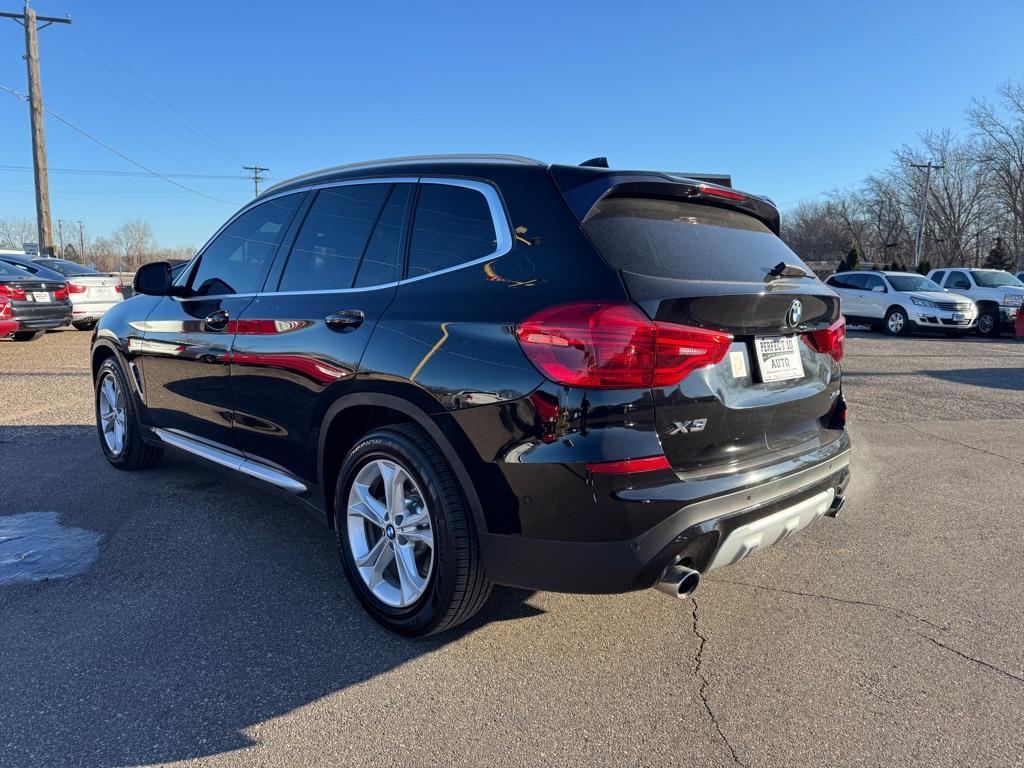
{"x":60,"y":293}
{"x":12,"y":292}
{"x":118,"y":288}
{"x":614,"y":346}
{"x":830,"y":340}
{"x":76,"y":288}
{"x":5,"y":308}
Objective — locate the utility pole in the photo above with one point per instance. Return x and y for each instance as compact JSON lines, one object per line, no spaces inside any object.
{"x":31,"y":23}
{"x":81,"y":241}
{"x":919,"y":240}
{"x":60,"y":238}
{"x":256,"y":177}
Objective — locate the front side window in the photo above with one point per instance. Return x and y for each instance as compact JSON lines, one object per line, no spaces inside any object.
{"x":453,"y":225}
{"x":333,"y":237}
{"x":857,"y":282}
{"x":840,"y":281}
{"x":938,"y":277}
{"x":239,"y":257}
{"x":873,"y":282}
{"x":958,"y":280}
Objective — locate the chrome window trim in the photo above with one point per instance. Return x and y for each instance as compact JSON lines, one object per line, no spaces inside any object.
{"x":499,"y":218}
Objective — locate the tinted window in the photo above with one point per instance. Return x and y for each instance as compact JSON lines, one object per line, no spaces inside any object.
{"x":857,"y":282}
{"x":10,"y":270}
{"x":381,"y":261}
{"x":958,"y":280}
{"x":238,"y":259}
{"x":841,"y":281}
{"x":39,"y":271}
{"x":665,"y":238}
{"x":873,"y":281}
{"x":68,"y":268}
{"x":333,"y":237}
{"x":453,"y":225}
{"x":937,"y":277}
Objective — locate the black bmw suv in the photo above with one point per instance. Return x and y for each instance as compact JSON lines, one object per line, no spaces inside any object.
{"x":491,"y":370}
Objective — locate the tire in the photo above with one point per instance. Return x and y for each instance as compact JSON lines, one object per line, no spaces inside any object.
{"x":988,"y":323}
{"x":132,"y":452}
{"x":84,"y":325}
{"x":454,"y":584}
{"x":26,"y":335}
{"x":896,"y":322}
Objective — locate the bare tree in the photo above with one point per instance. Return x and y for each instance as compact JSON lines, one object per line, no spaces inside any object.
{"x":133,"y":240}
{"x":15,"y":231}
{"x":1000,"y":132}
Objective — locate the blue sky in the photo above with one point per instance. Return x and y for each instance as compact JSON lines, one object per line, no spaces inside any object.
{"x":792,"y":98}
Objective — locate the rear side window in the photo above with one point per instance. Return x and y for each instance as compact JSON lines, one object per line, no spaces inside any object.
{"x":381,"y":262}
{"x":238,"y":258}
{"x":686,"y":241}
{"x":453,"y":225}
{"x":333,"y":237}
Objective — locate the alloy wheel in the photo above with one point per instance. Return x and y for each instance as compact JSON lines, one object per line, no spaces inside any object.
{"x":390,"y":534}
{"x":895,"y":322}
{"x":113,"y":413}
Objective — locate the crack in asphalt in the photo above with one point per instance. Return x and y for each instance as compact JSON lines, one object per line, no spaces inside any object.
{"x":832,"y":598}
{"x":957,"y":442}
{"x":968,"y":657}
{"x":698,"y":664}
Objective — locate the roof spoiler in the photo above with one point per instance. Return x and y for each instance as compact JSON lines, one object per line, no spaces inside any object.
{"x":584,"y":187}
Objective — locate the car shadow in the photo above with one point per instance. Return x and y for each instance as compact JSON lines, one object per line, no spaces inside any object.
{"x":990,"y":378}
{"x":213,"y":607}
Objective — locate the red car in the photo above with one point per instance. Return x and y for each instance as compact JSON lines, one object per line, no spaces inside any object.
{"x":7,"y":325}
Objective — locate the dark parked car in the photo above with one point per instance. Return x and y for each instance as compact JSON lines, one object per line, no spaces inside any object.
{"x":38,"y":297}
{"x":489,"y":370}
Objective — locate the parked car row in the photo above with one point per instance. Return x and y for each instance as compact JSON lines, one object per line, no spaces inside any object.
{"x":40,"y":294}
{"x":952,"y":301}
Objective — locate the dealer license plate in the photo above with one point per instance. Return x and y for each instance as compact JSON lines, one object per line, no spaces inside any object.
{"x":41,"y":296}
{"x":778,"y":358}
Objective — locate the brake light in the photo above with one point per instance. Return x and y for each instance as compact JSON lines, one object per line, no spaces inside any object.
{"x":629,"y":466}
{"x":77,"y":288}
{"x":12,"y":292}
{"x":119,"y":288}
{"x":830,"y":340}
{"x":615,"y":346}
{"x":723,"y":192}
{"x":61,"y":293}
{"x":5,"y":307}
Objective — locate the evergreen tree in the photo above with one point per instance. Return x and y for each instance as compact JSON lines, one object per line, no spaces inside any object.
{"x":852,"y":261}
{"x":999,"y":257}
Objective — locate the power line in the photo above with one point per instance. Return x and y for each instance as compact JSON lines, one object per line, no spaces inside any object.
{"x":118,"y":152}
{"x":106,"y":172}
{"x":156,"y":97}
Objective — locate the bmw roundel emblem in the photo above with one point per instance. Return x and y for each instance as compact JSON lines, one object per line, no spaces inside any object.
{"x":796,"y":311}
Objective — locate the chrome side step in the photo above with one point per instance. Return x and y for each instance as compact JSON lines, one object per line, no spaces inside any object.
{"x":230,"y":460}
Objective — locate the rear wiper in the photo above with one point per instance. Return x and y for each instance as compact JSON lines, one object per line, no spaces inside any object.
{"x":783,"y":269}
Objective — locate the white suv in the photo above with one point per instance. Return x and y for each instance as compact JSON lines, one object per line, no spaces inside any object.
{"x":900,"y":301}
{"x":997,"y":293}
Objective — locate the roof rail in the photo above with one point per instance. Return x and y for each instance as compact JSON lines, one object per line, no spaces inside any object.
{"x":408,"y":160}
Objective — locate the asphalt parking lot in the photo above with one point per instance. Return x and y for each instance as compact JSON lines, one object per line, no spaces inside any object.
{"x":215,"y":627}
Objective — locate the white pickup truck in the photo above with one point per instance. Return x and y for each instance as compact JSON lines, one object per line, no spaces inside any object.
{"x":997,"y":294}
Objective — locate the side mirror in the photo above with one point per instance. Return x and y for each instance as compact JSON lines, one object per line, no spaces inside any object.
{"x":153,"y":279}
{"x":879,"y":289}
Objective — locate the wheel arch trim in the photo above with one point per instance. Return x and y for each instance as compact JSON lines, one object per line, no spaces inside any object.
{"x":418,"y":417}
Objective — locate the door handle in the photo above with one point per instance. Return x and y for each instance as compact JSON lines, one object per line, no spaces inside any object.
{"x":217,"y":321}
{"x":346,"y":320}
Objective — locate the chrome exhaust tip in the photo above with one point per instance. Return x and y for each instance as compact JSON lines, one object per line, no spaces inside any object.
{"x":678,"y":581}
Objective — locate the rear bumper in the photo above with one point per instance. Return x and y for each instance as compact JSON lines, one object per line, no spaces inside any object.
{"x":37,"y":317}
{"x":92,"y":310}
{"x":761,"y":508}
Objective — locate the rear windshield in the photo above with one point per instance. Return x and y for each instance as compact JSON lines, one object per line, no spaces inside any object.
{"x":667,"y":238}
{"x":9,"y":270}
{"x":69,"y":268}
